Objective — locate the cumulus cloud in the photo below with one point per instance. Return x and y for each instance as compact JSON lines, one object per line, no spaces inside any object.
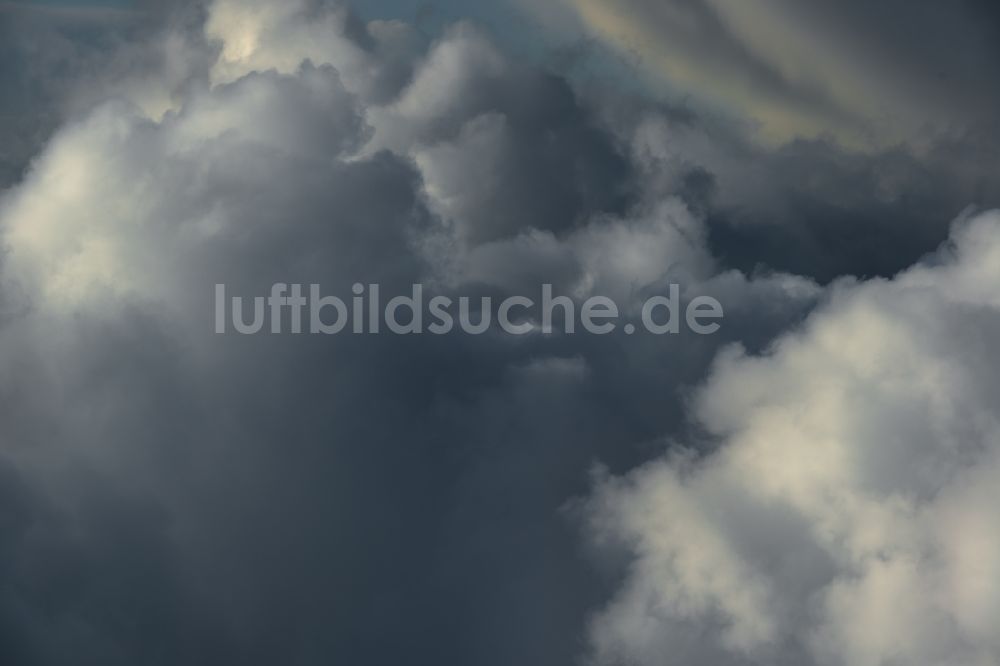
{"x":175,"y":496}
{"x":841,"y":517}
{"x":374,"y":59}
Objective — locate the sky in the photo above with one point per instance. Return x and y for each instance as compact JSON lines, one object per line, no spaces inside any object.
{"x":813,"y":485}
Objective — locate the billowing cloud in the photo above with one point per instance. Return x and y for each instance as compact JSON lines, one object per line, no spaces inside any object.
{"x":178,"y":496}
{"x":175,"y":496}
{"x":843,"y":515}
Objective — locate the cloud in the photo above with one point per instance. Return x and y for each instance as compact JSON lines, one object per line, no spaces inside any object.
{"x":808,"y":207}
{"x":503,"y":147}
{"x":854,"y":73}
{"x":59,"y":62}
{"x":174,"y":496}
{"x":177,"y":496}
{"x":841,"y":516}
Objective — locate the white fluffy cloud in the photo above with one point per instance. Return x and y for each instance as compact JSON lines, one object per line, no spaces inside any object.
{"x":846,"y":515}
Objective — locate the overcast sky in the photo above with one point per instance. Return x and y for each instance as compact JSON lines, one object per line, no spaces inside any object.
{"x":813,"y":485}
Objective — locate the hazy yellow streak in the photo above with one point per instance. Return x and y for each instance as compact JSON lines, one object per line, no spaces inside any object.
{"x":801,"y":58}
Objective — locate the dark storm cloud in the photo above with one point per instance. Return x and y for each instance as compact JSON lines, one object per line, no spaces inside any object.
{"x":812,"y":209}
{"x":173,"y":496}
{"x":809,"y":206}
{"x":549,"y":166}
{"x":183,"y":497}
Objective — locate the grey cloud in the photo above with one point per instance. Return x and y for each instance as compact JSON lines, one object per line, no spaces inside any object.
{"x":184,"y":497}
{"x":59,"y":61}
{"x":897,"y":139}
{"x":809,"y":207}
{"x":181,"y":497}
